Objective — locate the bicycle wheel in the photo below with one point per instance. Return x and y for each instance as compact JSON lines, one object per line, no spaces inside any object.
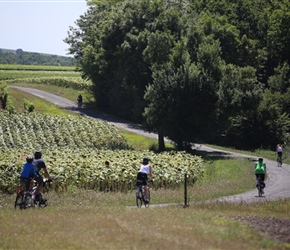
{"x":139,"y":199}
{"x":19,"y":201}
{"x":280,"y":161}
{"x":28,"y":202}
{"x":147,"y":203}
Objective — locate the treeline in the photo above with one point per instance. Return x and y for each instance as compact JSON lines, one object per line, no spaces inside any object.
{"x":194,"y":71}
{"x":31,"y":58}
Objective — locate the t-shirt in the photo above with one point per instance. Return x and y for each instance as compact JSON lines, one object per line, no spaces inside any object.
{"x":38,"y":165}
{"x":28,"y":170}
{"x":145,"y":169}
{"x":260,"y":168}
{"x":279,"y":149}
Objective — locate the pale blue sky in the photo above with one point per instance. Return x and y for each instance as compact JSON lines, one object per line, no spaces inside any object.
{"x":38,"y":25}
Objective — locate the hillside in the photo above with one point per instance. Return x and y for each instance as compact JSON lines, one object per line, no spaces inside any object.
{"x":18,"y":56}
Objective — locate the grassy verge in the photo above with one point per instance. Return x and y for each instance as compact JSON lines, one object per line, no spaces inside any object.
{"x":40,"y":105}
{"x":268,"y":154}
{"x":70,"y":94}
{"x":138,"y":142}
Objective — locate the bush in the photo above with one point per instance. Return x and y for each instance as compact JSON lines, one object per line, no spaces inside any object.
{"x":28,"y":106}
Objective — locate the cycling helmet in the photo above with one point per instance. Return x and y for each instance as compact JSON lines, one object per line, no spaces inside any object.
{"x":29,"y":159}
{"x":260,"y":159}
{"x":37,"y":155}
{"x":145,"y":161}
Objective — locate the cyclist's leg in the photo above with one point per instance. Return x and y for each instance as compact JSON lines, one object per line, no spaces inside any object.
{"x":145,"y":183}
{"x":279,"y":158}
{"x":39,"y":181}
{"x":262,"y":179}
{"x":27,"y":184}
{"x":257,"y":179}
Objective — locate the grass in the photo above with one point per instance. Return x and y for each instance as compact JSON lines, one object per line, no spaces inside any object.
{"x":138,"y":142}
{"x":70,"y":94}
{"x":40,"y":105}
{"x":80,"y":219}
{"x":268,"y":154}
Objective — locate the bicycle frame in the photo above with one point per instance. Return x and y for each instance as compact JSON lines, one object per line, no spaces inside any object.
{"x":140,"y":195}
{"x":260,"y":187}
{"x":24,"y":197}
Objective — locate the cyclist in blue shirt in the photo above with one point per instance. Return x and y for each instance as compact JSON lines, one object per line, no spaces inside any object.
{"x":28,"y":172}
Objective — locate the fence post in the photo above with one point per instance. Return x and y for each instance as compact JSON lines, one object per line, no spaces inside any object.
{"x":185,"y":191}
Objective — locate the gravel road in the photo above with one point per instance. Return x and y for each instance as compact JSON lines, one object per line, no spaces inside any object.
{"x":277,"y":184}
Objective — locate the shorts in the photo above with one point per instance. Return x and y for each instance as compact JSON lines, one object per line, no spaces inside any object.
{"x":142,"y":177}
{"x":25,"y":181}
{"x":39,"y":179}
{"x":262,"y":176}
{"x":279,"y":154}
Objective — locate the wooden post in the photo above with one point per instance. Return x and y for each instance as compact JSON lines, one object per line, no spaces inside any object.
{"x":185,"y":191}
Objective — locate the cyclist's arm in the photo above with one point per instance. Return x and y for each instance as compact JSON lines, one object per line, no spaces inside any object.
{"x":46,"y":173}
{"x":150,"y":172}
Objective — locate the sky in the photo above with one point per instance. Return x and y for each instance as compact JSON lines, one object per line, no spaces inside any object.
{"x":38,"y":25}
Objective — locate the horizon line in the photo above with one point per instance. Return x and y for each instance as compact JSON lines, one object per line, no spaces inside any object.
{"x":43,"y":1}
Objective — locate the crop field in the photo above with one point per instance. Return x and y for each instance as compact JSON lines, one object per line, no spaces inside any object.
{"x":35,"y":67}
{"x":84,"y":153}
{"x":20,"y":74}
{"x":48,"y":75}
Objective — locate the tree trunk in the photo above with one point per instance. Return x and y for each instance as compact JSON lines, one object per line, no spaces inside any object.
{"x":161,"y":143}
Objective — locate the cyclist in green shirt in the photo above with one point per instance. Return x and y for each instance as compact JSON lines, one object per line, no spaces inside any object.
{"x":260,"y":171}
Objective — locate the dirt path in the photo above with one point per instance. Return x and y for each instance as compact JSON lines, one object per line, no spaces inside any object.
{"x":277,"y":185}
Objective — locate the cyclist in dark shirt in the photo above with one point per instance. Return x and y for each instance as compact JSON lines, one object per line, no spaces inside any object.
{"x":38,"y":165}
{"x":80,"y":101}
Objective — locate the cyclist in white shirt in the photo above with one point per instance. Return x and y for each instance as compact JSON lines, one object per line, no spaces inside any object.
{"x":279,"y":149}
{"x":144,"y":171}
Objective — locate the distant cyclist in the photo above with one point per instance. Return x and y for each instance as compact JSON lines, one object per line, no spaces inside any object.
{"x":144,"y":171}
{"x":260,"y":172}
{"x":279,"y":149}
{"x":28,"y":172}
{"x":80,"y":101}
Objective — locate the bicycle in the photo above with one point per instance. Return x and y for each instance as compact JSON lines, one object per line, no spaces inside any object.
{"x":260,"y":186}
{"x":279,"y":161}
{"x":140,"y":195}
{"x":24,"y":197}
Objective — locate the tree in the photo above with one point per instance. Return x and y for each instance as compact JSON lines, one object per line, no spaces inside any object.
{"x":239,"y":97}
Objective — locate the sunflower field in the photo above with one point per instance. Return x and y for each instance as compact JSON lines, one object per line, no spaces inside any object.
{"x":87,"y":153}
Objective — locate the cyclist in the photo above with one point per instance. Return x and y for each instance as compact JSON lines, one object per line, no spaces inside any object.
{"x":38,"y":165}
{"x":260,"y":171}
{"x":144,"y":171}
{"x":80,"y":101}
{"x":28,"y":172}
{"x":279,"y":149}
